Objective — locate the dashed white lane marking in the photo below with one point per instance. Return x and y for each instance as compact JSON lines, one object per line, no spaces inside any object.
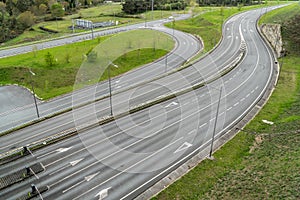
{"x":236,"y":104}
{"x":193,"y":131}
{"x":229,"y":108}
{"x":203,"y":125}
{"x":87,"y":179}
{"x":243,"y":99}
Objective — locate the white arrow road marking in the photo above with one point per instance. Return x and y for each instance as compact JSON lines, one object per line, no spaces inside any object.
{"x":227,"y":29}
{"x":86,"y":179}
{"x":90,"y":177}
{"x":61,"y":150}
{"x":251,"y":30}
{"x":236,"y":37}
{"x":172,"y":104}
{"x":103,"y":193}
{"x":73,"y":163}
{"x":183,"y":147}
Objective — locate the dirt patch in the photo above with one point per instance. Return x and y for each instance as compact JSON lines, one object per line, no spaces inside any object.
{"x":257,"y":142}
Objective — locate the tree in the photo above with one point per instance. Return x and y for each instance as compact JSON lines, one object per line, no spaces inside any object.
{"x":3,"y":11}
{"x":57,"y":10}
{"x":26,"y":19}
{"x":43,"y":9}
{"x":135,"y":6}
{"x":139,"y":6}
{"x":49,"y":59}
{"x":24,"y":5}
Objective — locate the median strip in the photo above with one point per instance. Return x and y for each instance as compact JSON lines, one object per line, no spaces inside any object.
{"x":18,"y":152}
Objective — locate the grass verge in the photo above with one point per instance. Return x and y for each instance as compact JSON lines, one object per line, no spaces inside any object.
{"x":207,"y":22}
{"x":51,"y":81}
{"x":261,"y":163}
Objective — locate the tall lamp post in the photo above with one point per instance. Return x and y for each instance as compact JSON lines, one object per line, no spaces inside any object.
{"x":152,"y":8}
{"x":109,"y":84}
{"x":33,"y":93}
{"x":215,"y":124}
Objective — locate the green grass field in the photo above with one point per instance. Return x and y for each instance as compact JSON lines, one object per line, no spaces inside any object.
{"x":105,"y":12}
{"x":208,"y":21}
{"x":262,"y":162}
{"x":51,"y":81}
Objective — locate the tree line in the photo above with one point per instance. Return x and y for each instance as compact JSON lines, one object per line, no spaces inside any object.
{"x":18,"y":15}
{"x":140,"y":6}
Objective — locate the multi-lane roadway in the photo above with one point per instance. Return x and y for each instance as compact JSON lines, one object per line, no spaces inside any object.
{"x":123,"y":158}
{"x":186,"y":46}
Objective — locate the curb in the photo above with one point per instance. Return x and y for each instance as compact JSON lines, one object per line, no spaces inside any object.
{"x":219,"y":142}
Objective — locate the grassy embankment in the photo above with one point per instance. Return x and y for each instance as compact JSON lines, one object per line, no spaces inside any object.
{"x":51,"y":81}
{"x":208,"y":21}
{"x":264,"y":161}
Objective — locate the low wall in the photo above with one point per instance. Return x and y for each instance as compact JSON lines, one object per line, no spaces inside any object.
{"x":273,"y":35}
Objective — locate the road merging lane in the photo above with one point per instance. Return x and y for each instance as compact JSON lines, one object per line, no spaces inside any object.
{"x":117,"y":176}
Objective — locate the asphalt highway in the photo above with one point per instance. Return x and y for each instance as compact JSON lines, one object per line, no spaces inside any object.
{"x":229,"y":49}
{"x":121,"y":159}
{"x":186,"y":46}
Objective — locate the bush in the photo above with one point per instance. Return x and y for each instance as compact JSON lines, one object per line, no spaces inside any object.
{"x":49,"y":59}
{"x":91,"y":55}
{"x":26,"y":19}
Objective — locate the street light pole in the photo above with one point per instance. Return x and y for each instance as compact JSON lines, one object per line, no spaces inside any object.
{"x":109,"y":84}
{"x":173,"y":23}
{"x":215,"y":125}
{"x":152,"y":7}
{"x":33,"y":93}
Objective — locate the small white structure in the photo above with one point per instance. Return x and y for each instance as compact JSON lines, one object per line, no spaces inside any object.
{"x":84,"y":23}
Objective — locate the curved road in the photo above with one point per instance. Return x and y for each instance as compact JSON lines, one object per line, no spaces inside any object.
{"x":186,"y":47}
{"x":125,"y":157}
